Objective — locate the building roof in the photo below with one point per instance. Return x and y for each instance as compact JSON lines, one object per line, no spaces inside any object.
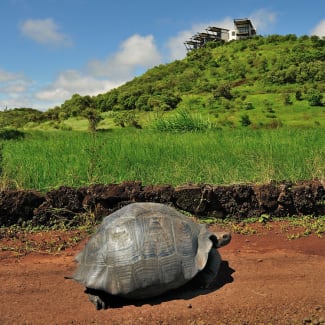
{"x":244,"y":21}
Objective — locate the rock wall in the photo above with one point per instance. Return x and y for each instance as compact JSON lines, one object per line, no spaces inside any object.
{"x":239,"y":201}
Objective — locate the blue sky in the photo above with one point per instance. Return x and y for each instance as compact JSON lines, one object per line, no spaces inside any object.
{"x":52,"y":49}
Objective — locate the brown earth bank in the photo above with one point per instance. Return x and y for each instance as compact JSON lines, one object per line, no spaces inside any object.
{"x":68,"y":205}
{"x":265,"y":279}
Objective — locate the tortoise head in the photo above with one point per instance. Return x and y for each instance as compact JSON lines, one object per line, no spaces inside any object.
{"x":220,"y":238}
{"x":208,"y":260}
{"x":208,"y":240}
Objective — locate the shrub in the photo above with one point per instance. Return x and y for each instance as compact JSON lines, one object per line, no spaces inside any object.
{"x":248,"y":106}
{"x":298,"y":95}
{"x":314,"y":97}
{"x":11,"y":134}
{"x":269,"y":106}
{"x":245,"y":121}
{"x":1,"y":159}
{"x":127,"y":118}
{"x":275,"y":124}
{"x":182,"y":122}
{"x":65,"y":127}
{"x":286,"y":99}
{"x":223,"y":91}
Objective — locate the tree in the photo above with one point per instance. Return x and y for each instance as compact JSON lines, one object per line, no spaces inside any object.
{"x":111,"y":100}
{"x":76,"y":105}
{"x":223,"y":91}
{"x":93,"y":118}
{"x":315,"y":97}
{"x":126,"y":118}
{"x":142,"y":103}
{"x":245,"y":121}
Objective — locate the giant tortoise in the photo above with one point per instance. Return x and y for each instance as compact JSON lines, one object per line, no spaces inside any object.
{"x":145,"y":249}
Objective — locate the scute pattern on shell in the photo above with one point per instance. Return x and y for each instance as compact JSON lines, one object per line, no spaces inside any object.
{"x":142,"y":250}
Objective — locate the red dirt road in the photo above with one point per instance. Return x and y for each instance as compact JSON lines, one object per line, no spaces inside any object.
{"x":267,"y":279}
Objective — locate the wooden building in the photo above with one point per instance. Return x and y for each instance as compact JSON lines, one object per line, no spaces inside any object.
{"x":243,"y":28}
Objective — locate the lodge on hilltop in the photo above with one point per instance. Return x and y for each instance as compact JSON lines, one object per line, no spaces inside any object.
{"x":243,"y":28}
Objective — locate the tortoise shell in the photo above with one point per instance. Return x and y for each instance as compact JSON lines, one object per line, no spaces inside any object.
{"x":143,"y":250}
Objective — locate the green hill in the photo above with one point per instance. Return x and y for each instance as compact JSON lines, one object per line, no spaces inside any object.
{"x":263,"y":82}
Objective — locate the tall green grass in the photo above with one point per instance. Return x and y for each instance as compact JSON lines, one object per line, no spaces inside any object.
{"x":46,"y":160}
{"x":183,"y":121}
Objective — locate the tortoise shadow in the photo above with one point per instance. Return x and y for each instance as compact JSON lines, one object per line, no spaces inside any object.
{"x":186,"y":292}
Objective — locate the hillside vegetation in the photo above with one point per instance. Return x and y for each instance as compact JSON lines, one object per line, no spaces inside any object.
{"x":258,"y":106}
{"x":46,"y":160}
{"x":264,"y":82}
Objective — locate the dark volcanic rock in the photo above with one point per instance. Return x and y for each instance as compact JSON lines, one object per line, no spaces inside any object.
{"x":236,"y":201}
{"x":66,"y":204}
{"x":267,"y":197}
{"x":285,"y":201}
{"x":60,"y":205}
{"x":156,"y":193}
{"x":18,"y":206}
{"x":103,"y":199}
{"x":188,"y":198}
{"x":309,"y":198}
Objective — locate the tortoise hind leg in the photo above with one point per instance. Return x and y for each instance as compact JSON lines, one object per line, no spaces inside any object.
{"x":99,"y":298}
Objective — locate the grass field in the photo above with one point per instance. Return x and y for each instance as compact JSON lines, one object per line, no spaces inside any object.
{"x":46,"y":160}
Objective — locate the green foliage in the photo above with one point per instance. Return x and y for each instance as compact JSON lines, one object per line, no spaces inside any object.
{"x":305,"y":226}
{"x":18,"y":117}
{"x":127,"y":118}
{"x":224,"y":91}
{"x":286,"y":99}
{"x":92,"y":150}
{"x":248,"y":106}
{"x":315,"y":97}
{"x":10,"y":134}
{"x":298,"y":95}
{"x":264,"y":218}
{"x":93,"y":118}
{"x":183,"y":121}
{"x":45,"y":160}
{"x":227,"y":71}
{"x":220,"y":77}
{"x":1,"y":160}
{"x":245,"y":121}
{"x":75,"y":106}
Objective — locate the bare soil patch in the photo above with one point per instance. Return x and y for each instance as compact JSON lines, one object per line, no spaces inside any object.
{"x":265,"y":279}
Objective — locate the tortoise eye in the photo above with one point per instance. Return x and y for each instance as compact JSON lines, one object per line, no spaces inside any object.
{"x":226,"y":238}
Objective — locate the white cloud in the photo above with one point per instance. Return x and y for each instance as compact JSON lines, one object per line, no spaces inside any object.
{"x":99,"y":76}
{"x":6,"y":76}
{"x":263,"y":20}
{"x":44,"y":31}
{"x":12,"y":86}
{"x":71,"y":82}
{"x":319,"y":30}
{"x":13,"y":83}
{"x":136,"y":52}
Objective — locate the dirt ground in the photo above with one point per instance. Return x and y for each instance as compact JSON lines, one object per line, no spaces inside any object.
{"x":265,"y":279}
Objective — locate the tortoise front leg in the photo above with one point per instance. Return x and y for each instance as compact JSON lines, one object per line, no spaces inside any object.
{"x":211,"y":269}
{"x":98,"y":298}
